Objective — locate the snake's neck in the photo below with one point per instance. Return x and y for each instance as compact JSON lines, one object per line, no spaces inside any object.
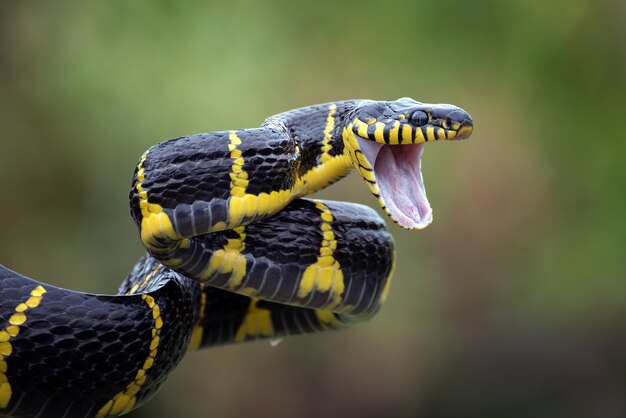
{"x":323,"y":175}
{"x":318,"y":131}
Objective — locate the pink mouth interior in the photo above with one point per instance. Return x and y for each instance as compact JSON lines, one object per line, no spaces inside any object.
{"x":398,"y":173}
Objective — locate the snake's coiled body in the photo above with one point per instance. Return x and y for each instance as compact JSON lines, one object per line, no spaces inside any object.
{"x":235,"y":254}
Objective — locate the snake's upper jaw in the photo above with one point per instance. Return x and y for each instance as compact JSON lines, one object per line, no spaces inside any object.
{"x":397,"y":173}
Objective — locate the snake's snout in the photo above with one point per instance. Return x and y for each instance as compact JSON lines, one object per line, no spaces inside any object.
{"x":387,"y":150}
{"x":447,"y":121}
{"x":458,"y":120}
{"x":407,"y":121}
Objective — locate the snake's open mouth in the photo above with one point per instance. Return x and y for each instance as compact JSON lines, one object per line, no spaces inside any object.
{"x":398,"y":175}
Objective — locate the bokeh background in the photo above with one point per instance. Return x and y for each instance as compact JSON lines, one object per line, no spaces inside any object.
{"x":511,"y":304}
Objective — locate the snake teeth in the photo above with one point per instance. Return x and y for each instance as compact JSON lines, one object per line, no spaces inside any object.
{"x":399,"y":182}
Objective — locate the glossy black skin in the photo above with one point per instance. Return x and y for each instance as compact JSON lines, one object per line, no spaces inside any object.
{"x":306,"y":126}
{"x":285,"y":244}
{"x":76,"y":351}
{"x":189,"y":176}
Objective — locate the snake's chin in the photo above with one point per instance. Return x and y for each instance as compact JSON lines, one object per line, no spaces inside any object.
{"x":398,"y":174}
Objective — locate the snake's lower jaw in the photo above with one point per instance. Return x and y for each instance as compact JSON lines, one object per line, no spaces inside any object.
{"x":398,"y":176}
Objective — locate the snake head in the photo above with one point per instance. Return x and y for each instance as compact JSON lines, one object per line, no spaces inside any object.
{"x":385,"y":141}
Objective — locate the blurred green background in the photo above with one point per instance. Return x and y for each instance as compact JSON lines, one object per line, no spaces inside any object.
{"x":511,"y":304}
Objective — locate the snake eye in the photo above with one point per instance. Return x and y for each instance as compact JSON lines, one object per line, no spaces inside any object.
{"x":419,"y":118}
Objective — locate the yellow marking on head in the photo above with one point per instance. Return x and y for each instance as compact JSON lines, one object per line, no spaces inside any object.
{"x":257,"y":322}
{"x":12,"y":330}
{"x":451,"y":134}
{"x":441,"y":134}
{"x":467,"y":129}
{"x":125,"y":401}
{"x":393,"y":133}
{"x":430,"y":133}
{"x":328,"y":134}
{"x":379,"y":133}
{"x":419,"y":135}
{"x":325,"y":275}
{"x":407,"y":134}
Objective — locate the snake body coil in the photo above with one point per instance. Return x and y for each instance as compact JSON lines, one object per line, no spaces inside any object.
{"x":234,"y":254}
